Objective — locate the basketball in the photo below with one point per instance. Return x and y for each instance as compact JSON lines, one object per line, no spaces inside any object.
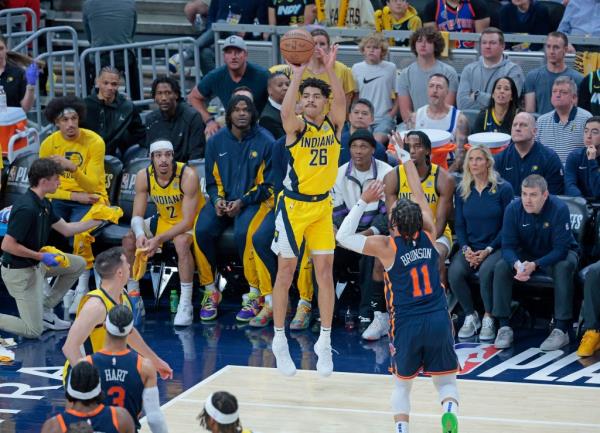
{"x":297,"y":46}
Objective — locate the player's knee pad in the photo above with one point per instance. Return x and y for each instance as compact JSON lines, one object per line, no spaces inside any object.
{"x":446,"y":386}
{"x":401,"y":396}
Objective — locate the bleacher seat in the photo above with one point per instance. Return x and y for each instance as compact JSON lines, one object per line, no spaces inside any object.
{"x":461,"y":58}
{"x":526,"y":60}
{"x":17,"y":182}
{"x":112,"y":175}
{"x":471,"y":116}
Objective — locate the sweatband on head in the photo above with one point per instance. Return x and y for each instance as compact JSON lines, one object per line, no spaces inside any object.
{"x":217,"y":415}
{"x":161,"y":145}
{"x":113,"y":329}
{"x":83,"y":395}
{"x":66,"y":110}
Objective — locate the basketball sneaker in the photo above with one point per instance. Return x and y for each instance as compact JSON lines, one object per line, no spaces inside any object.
{"x":449,"y":423}
{"x":504,"y":339}
{"x":250,"y":307}
{"x":263,"y":318}
{"x":280,"y":349}
{"x":325,"y":358}
{"x":488,"y":329}
{"x":210,"y":302}
{"x":589,"y":343}
{"x":302,"y":317}
{"x":379,"y":327}
{"x":184,"y":315}
{"x":53,"y":322}
{"x":470,"y":326}
{"x":555,"y":340}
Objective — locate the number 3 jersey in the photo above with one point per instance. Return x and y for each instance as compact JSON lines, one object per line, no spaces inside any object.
{"x":412,"y":284}
{"x":313,"y":163}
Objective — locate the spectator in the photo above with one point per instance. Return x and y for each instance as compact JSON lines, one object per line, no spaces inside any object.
{"x":438,"y":114}
{"x":18,"y":85}
{"x":562,"y":128}
{"x":238,"y":163}
{"x":221,"y":82}
{"x":589,"y":93}
{"x":221,"y":413}
{"x":539,"y":81}
{"x":112,"y":116}
{"x":34,"y":5}
{"x":270,"y":118}
{"x":525,"y":156}
{"x":465,"y":16}
{"x":502,"y":108}
{"x":112,"y":22}
{"x":238,"y":12}
{"x":427,"y":45}
{"x":175,"y":121}
{"x":291,"y":13}
{"x":31,"y":218}
{"x":475,"y":88}
{"x":376,"y":80}
{"x":480,"y":200}
{"x":359,"y":14}
{"x":524,"y":17}
{"x":351,"y":179}
{"x":536,"y":235}
{"x":582,"y":176}
{"x":581,"y":19}
{"x":590,"y":342}
{"x":399,"y":15}
{"x":361,"y":117}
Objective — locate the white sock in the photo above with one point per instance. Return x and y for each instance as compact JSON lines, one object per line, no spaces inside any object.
{"x":450,"y":406}
{"x":210,"y":287}
{"x":303,"y":302}
{"x":269,"y":300}
{"x":325,"y":335}
{"x":254,"y":290}
{"x":133,"y":286}
{"x":186,"y":293}
{"x":84,"y":282}
{"x":401,"y":427}
{"x":279,"y":332}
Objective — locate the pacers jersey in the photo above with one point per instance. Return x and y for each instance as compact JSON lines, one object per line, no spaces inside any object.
{"x":120,"y":375}
{"x":312,"y":167}
{"x":103,"y":419}
{"x":429,"y":185}
{"x":169,"y":198}
{"x":412,"y":284}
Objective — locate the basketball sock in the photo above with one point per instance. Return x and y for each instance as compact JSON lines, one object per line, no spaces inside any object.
{"x":279,"y":331}
{"x":186,"y":293}
{"x":133,"y":286}
{"x":210,"y":287}
{"x":254,"y":290}
{"x":304,"y":302}
{"x":450,"y":406}
{"x":269,"y":300}
{"x":401,"y":427}
{"x":83,"y":283}
{"x":325,"y":335}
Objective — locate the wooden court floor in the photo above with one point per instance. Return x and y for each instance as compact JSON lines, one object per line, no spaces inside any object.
{"x":359,"y":403}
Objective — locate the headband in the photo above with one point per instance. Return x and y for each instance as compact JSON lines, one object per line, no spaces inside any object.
{"x":217,"y":415}
{"x":113,"y":329}
{"x":161,"y":145}
{"x":83,"y":395}
{"x":66,"y":110}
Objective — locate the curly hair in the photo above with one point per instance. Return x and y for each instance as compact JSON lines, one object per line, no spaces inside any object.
{"x":406,"y":217}
{"x":43,"y":168}
{"x":227,"y":404}
{"x":431,"y":35}
{"x":56,"y":106}
{"x":319,"y":84}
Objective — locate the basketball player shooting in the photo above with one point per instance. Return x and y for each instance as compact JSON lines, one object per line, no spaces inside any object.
{"x":304,"y":207}
{"x":420,"y":332}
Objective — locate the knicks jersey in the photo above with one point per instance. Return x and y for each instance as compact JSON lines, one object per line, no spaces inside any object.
{"x":103,"y":419}
{"x":412,"y":284}
{"x":461,"y":19}
{"x":168,"y":198}
{"x":429,"y":185}
{"x":120,"y":375}
{"x":312,"y":167}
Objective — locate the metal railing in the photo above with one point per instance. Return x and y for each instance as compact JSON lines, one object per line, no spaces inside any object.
{"x":151,"y":57}
{"x":13,"y":24}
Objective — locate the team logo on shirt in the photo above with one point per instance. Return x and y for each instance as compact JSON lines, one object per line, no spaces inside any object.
{"x":253,"y":154}
{"x":9,"y":79}
{"x":547,"y":224}
{"x":534,"y":168}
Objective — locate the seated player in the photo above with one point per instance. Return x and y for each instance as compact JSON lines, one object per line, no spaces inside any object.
{"x":220,"y":414}
{"x":84,"y":403}
{"x":127,"y":379}
{"x":421,"y":331}
{"x":582,"y":177}
{"x":174,"y":188}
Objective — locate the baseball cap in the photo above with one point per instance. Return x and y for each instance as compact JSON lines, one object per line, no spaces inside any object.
{"x":235,"y":41}
{"x":363,"y":134}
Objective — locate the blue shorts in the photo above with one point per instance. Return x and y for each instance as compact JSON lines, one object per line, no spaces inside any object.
{"x":422,"y":343}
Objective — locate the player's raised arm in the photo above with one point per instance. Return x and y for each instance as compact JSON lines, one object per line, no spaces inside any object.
{"x":291,"y":123}
{"x":337,"y":113}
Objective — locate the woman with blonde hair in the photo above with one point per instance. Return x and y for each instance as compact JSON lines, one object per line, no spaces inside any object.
{"x":480,"y":200}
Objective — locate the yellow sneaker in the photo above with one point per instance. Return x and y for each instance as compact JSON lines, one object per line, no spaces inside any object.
{"x":589,"y":343}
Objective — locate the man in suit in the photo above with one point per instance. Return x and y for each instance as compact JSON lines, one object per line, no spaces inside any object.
{"x":270,"y":118}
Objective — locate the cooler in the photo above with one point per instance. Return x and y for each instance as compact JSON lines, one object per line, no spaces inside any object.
{"x":12,"y":121}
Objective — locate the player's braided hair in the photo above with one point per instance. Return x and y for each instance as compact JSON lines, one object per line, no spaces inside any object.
{"x":84,"y":377}
{"x":407,"y":218}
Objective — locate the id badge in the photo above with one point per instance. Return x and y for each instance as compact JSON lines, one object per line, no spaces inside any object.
{"x":233,"y":18}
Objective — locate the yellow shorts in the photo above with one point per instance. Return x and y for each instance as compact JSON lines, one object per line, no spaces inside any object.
{"x":299,"y":221}
{"x":156,"y":225}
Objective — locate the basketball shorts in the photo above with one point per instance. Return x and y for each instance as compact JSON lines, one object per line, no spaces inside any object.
{"x":156,"y":225}
{"x":309,"y":221}
{"x":422,"y":343}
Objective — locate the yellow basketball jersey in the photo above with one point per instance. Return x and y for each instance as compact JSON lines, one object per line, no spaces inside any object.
{"x":429,"y":185}
{"x":313,"y":165}
{"x":168,"y":198}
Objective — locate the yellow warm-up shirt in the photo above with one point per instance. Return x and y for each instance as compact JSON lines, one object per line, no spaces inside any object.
{"x":87,"y":153}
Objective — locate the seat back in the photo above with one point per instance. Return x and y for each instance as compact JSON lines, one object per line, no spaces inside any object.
{"x":126,"y":193}
{"x":200,"y":166}
{"x":17,"y":182}
{"x":112,"y":175}
{"x":581,"y":216}
{"x":555,"y":12}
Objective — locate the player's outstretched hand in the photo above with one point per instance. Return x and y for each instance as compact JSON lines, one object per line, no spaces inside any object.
{"x":329,"y":58}
{"x":373,"y":192}
{"x":398,"y":143}
{"x":297,"y":70}
{"x":164,"y":370}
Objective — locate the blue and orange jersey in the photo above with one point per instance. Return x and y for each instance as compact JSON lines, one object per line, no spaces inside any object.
{"x":461,"y":19}
{"x":412,"y":284}
{"x":102,"y":419}
{"x":121,"y":379}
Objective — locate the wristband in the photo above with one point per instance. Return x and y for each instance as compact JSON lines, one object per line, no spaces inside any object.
{"x":137,"y":225}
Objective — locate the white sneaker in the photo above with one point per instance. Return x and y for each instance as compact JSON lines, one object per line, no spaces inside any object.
{"x":555,"y":340}
{"x":488,"y":329}
{"x":174,"y":63}
{"x":284,"y":361}
{"x":76,"y":300}
{"x":52,"y":321}
{"x":378,"y":328}
{"x":505,"y":338}
{"x":325,"y":358}
{"x":470,"y":326}
{"x":185,"y":315}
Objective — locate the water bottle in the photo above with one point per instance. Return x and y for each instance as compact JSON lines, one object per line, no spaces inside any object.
{"x":256,"y":34}
{"x":349,"y":320}
{"x":3,"y":105}
{"x":174,"y":301}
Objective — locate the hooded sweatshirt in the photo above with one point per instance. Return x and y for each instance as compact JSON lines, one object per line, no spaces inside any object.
{"x":478,"y":77}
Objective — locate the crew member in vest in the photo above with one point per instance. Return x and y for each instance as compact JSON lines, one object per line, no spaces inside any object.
{"x":437,"y":184}
{"x":87,"y":334}
{"x":174,"y":189}
{"x":84,"y":403}
{"x":127,"y":378}
{"x":220,"y":414}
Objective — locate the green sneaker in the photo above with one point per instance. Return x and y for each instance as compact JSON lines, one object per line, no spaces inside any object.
{"x":449,"y":423}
